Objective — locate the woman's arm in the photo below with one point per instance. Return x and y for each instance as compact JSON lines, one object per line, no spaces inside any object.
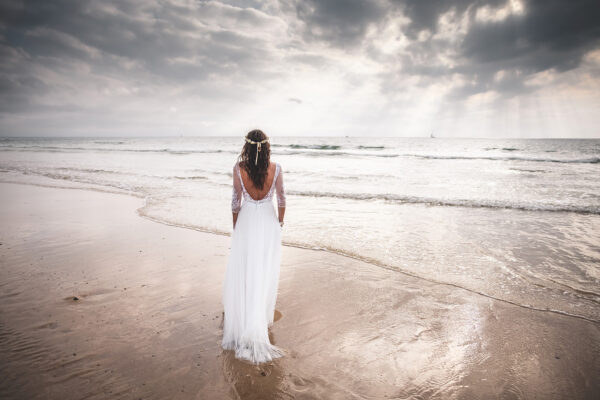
{"x":280,"y":195}
{"x":236,"y":194}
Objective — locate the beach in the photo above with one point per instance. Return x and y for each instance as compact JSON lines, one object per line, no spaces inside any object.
{"x":439,"y":163}
{"x":146,"y":321}
{"x":512,"y":219}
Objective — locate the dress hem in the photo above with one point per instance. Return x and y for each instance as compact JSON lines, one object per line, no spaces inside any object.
{"x":255,"y":352}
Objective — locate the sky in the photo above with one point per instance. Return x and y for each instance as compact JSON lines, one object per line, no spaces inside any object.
{"x":455,"y":68}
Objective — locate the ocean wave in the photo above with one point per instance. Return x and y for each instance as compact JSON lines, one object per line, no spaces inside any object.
{"x":315,"y":146}
{"x":55,"y":149}
{"x":217,"y":172}
{"x":191,"y":177}
{"x":332,"y":153}
{"x":528,"y":170}
{"x":90,"y":175}
{"x":503,"y":148}
{"x":309,"y":146}
{"x":470,"y":203}
{"x":89,"y":170}
{"x":324,"y":146}
{"x":313,"y":151}
{"x":592,"y":160}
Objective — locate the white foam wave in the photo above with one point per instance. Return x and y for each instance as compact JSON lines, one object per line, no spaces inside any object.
{"x":482,"y":203}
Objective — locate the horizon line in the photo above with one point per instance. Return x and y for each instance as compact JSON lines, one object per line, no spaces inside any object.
{"x":305,"y":136}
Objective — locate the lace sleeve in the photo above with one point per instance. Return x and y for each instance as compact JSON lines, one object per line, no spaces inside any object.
{"x":280,"y":189}
{"x":236,"y":193}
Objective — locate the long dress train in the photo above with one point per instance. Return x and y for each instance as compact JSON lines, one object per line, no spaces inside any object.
{"x":252,"y":275}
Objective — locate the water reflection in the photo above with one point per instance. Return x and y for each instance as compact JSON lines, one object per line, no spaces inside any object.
{"x":249,"y":381}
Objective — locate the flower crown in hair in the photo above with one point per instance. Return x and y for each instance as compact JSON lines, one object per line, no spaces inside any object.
{"x":258,"y":148}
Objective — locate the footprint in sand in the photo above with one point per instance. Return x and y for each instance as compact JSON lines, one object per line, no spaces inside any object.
{"x":300,"y":385}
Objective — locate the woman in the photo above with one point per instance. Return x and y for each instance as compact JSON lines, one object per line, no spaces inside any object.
{"x":252,"y":276}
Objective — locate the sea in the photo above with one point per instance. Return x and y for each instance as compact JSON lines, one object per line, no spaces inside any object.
{"x":517,"y":220}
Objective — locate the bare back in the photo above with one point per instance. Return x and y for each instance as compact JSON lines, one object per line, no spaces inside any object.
{"x":255,"y":193}
{"x":243,"y":188}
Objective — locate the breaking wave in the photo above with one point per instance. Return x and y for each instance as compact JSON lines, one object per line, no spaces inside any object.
{"x":483,"y":203}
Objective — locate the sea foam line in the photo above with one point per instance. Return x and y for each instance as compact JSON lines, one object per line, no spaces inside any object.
{"x":401,"y":199}
{"x":142,"y":213}
{"x":316,"y":151}
{"x":389,"y":197}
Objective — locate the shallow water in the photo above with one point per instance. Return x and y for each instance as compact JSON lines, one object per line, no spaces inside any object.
{"x":516,"y":220}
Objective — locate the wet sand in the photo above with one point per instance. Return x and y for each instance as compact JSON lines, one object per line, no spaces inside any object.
{"x":147,"y":319}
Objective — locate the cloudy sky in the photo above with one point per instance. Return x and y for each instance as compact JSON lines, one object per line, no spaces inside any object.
{"x":464,"y":68}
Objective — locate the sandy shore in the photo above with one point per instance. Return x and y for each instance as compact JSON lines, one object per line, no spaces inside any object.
{"x":147,"y":320}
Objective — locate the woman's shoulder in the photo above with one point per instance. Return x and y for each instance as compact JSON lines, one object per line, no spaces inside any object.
{"x":236,"y":167}
{"x":277,"y":168}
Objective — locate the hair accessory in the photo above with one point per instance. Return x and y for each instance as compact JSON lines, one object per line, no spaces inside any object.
{"x":258,"y":146}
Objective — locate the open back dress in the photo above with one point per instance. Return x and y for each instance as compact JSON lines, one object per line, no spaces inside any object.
{"x":252,"y":275}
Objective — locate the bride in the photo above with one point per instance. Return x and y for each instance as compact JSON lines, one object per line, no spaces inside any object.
{"x":252,"y":275}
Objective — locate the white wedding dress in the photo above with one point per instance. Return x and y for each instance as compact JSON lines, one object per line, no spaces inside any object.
{"x":252,"y":275}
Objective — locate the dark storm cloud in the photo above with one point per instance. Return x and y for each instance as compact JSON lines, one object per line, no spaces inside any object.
{"x":341,"y":22}
{"x":344,"y":22}
{"x":152,"y":35}
{"x":549,"y":35}
{"x":171,"y":43}
{"x":125,"y":40}
{"x":424,"y":15}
